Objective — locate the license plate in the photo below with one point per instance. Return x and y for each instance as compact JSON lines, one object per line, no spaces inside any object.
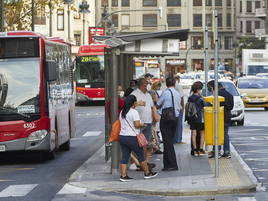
{"x":2,"y":148}
{"x":256,"y":101}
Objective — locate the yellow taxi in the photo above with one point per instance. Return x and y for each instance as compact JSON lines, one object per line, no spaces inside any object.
{"x":254,"y":91}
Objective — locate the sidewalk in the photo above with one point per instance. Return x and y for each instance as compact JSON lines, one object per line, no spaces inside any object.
{"x":195,"y":176}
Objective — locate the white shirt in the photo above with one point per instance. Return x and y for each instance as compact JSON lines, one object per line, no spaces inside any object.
{"x":145,"y":112}
{"x":179,"y":88}
{"x":131,"y":116}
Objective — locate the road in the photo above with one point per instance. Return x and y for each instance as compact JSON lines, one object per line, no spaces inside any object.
{"x":28,"y":178}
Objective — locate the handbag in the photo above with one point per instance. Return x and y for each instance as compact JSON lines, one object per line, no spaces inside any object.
{"x":168,"y":114}
{"x":140,"y":137}
{"x":114,"y":134}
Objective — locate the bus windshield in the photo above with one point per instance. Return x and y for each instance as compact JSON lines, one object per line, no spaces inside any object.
{"x":90,"y":71}
{"x":19,"y":88}
{"x":254,"y":69}
{"x":253,"y":84}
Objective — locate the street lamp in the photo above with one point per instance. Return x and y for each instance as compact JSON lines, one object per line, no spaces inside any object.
{"x":83,"y":8}
{"x":32,"y":10}
{"x":1,"y":15}
{"x":68,"y":2}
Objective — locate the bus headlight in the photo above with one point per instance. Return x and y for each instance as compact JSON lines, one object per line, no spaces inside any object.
{"x":37,"y":135}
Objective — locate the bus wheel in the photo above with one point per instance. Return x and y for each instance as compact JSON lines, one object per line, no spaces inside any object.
{"x":266,"y":108}
{"x":66,"y":146}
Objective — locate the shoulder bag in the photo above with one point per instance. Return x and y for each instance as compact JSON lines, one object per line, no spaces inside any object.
{"x":114,"y":135}
{"x":168,"y":114}
{"x":140,"y":137}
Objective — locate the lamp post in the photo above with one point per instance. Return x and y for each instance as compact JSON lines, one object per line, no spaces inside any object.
{"x":83,"y":8}
{"x":1,"y":15}
{"x":68,"y":2}
{"x":32,"y":15}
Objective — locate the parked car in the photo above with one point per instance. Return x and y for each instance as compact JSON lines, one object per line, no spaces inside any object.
{"x":238,"y":113}
{"x":254,"y":91}
{"x":186,"y":80}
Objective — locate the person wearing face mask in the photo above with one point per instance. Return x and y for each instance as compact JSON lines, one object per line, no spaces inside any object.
{"x":197,"y":125}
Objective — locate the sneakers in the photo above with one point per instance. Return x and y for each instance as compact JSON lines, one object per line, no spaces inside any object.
{"x":132,"y":166}
{"x":125,"y":178}
{"x":226,"y":155}
{"x":202,"y":152}
{"x":158,"y":152}
{"x":150,"y":175}
{"x":212,"y":155}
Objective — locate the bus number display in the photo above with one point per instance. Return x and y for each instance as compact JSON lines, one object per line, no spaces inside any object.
{"x":89,"y":59}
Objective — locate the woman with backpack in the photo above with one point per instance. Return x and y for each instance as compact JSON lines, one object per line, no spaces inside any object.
{"x":196,"y":121}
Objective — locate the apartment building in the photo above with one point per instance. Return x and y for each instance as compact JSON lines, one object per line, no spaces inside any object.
{"x":77,"y":34}
{"x":142,"y":16}
{"x":248,"y":18}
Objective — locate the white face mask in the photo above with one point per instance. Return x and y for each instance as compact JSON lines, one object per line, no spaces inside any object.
{"x":121,"y":94}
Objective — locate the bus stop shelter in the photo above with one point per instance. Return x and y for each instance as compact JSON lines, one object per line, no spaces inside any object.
{"x":119,"y":70}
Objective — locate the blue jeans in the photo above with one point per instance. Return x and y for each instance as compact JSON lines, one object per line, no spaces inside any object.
{"x":178,"y":132}
{"x":226,"y":145}
{"x":147,"y":131}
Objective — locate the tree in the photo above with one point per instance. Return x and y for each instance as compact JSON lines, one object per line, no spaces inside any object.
{"x":250,"y":43}
{"x":18,"y":12}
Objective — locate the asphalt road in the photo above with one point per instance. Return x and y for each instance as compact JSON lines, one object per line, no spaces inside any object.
{"x":26,"y":177}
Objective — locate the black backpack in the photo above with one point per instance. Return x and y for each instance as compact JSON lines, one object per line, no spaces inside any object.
{"x":191,"y":113}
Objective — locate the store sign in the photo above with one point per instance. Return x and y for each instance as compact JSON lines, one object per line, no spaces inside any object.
{"x":95,"y":31}
{"x":175,"y":61}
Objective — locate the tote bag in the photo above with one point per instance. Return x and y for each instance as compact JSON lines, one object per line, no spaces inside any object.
{"x":114,"y":134}
{"x":140,"y":137}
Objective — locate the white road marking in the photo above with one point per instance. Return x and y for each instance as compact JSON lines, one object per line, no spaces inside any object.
{"x":92,"y":133}
{"x":261,"y":170}
{"x":69,"y":189}
{"x":247,"y":199}
{"x":246,"y":130}
{"x":17,"y":190}
{"x":256,"y":159}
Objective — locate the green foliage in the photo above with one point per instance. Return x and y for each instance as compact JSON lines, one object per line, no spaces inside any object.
{"x":250,"y":43}
{"x":18,"y":12}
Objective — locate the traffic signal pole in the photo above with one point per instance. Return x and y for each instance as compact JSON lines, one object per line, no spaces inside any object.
{"x":1,"y":15}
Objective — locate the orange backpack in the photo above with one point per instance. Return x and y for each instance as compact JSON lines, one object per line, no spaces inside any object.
{"x":114,"y":135}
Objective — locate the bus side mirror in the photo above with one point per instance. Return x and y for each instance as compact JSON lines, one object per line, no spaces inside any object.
{"x":51,"y":70}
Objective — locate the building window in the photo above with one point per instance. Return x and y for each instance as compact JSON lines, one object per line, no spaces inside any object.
{"x":149,"y":20}
{"x":60,"y":19}
{"x":241,"y":26}
{"x":183,"y":45}
{"x":197,"y":20}
{"x":218,"y":2}
{"x":174,"y":20}
{"x":209,"y":20}
{"x":228,"y":42}
{"x":197,"y":42}
{"x":114,"y":3}
{"x":208,"y":2}
{"x":149,"y":2}
{"x":173,"y":2}
{"x":104,"y":3}
{"x":249,"y":6}
{"x":248,"y":27}
{"x":219,"y":20}
{"x":257,"y":4}
{"x":257,"y":24}
{"x":229,"y":3}
{"x":228,"y":20}
{"x":125,"y":3}
{"x":241,"y":7}
{"x":40,"y":17}
{"x":115,"y":20}
{"x":77,"y":38}
{"x":197,"y":2}
{"x":125,"y":21}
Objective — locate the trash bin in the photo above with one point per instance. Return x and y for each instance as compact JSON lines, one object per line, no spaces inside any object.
{"x":209,"y":121}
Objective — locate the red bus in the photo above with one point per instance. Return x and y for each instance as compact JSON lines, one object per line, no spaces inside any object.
{"x":37,"y":96}
{"x":90,"y":73}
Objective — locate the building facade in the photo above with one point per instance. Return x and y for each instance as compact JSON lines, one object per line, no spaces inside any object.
{"x":78,"y":33}
{"x":142,"y":16}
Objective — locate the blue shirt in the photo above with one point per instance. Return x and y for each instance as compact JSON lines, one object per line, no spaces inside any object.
{"x":165,"y":100}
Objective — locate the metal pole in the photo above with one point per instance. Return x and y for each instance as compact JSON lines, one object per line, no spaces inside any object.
{"x":50,"y":18}
{"x":1,"y":15}
{"x":32,"y":15}
{"x":114,"y":110}
{"x":83,"y":28}
{"x":206,"y":60}
{"x":216,"y":112}
{"x":69,"y":27}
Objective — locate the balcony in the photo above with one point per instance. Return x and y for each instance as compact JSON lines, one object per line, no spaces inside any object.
{"x":261,"y":13}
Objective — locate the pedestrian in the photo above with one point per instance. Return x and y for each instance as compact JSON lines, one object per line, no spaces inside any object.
{"x":145,"y":109}
{"x":169,"y":98}
{"x":197,"y":121}
{"x":131,"y":88}
{"x":179,"y":127}
{"x":148,"y":77}
{"x":130,"y":128}
{"x":228,"y":105}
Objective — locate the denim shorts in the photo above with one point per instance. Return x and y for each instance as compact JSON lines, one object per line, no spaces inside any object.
{"x":129,"y":144}
{"x":147,"y":131}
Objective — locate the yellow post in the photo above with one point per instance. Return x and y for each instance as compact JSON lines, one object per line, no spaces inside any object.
{"x":209,"y":121}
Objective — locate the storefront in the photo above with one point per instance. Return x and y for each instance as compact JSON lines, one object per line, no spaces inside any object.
{"x":174,"y":66}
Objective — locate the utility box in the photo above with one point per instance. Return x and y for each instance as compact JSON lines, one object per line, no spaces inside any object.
{"x":209,"y":121}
